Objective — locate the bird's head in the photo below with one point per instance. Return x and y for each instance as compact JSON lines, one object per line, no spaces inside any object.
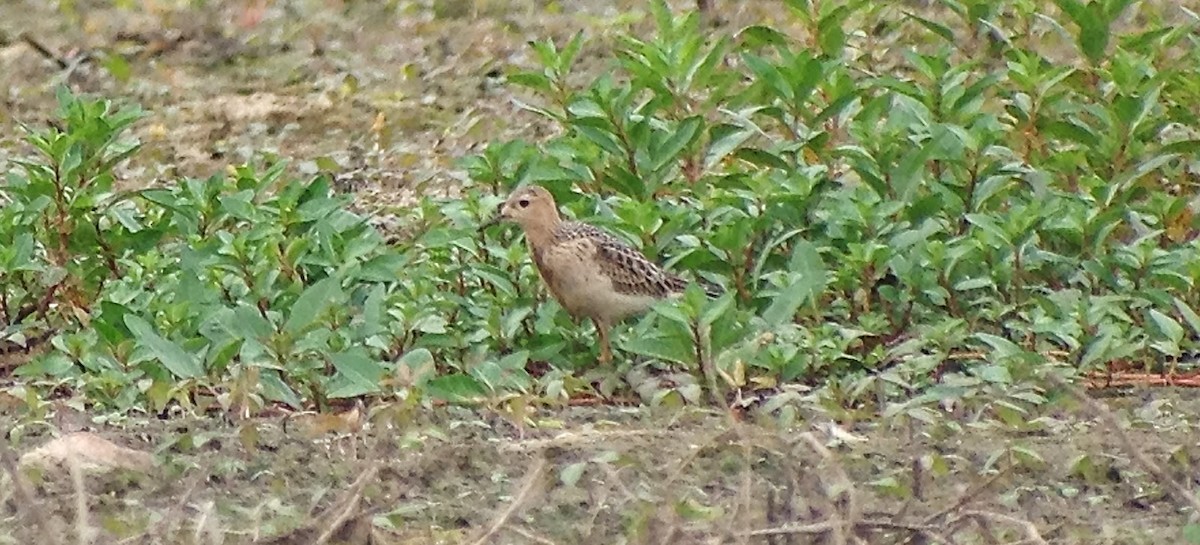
{"x":530,"y":207}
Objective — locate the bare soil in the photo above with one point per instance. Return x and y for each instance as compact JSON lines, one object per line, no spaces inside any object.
{"x":393,"y":93}
{"x":614,"y":475}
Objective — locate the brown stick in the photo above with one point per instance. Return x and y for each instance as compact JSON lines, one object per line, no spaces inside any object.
{"x":29,"y":507}
{"x":349,"y":506}
{"x":44,"y":51}
{"x":832,"y":524}
{"x":83,"y":529}
{"x":528,"y":484}
{"x":852,"y":512}
{"x":1031,"y":531}
{"x":969,"y":495}
{"x":1173,"y":487}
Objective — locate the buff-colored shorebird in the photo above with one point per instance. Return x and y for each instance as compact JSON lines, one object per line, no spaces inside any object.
{"x":591,"y":273}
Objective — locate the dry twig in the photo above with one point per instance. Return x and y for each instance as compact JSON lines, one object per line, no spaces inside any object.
{"x":574,"y":439}
{"x":528,"y":534}
{"x":1173,"y":487}
{"x":814,"y":528}
{"x":349,"y":504}
{"x":831,"y":525}
{"x":528,"y":485}
{"x":968,"y":496}
{"x":852,"y":513}
{"x":44,"y":51}
{"x":83,"y":530}
{"x":1031,"y":532}
{"x":30,"y":508}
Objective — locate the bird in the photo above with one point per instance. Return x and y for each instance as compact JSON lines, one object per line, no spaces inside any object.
{"x":590,"y":272}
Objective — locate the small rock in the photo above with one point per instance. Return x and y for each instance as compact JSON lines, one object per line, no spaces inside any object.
{"x":94,"y":454}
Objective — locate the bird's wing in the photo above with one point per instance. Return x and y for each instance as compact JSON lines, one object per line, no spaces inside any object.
{"x":630,"y":272}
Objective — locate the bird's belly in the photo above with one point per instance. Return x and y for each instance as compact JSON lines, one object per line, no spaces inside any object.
{"x":585,"y":291}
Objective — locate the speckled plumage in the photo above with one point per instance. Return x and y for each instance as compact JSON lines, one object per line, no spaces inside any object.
{"x":590,"y":272}
{"x":630,"y":271}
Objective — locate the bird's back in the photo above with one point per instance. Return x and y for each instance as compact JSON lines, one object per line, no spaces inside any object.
{"x":629,"y":270}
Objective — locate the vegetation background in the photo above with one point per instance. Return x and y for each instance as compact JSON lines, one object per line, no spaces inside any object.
{"x":245,"y":297}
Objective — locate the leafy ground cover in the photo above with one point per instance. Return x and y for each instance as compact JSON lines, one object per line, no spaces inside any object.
{"x":924,"y":216}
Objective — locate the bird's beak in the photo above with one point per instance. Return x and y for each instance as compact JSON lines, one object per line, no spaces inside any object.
{"x":496,"y":218}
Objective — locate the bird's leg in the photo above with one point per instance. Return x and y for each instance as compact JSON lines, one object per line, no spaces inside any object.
{"x":605,"y":348}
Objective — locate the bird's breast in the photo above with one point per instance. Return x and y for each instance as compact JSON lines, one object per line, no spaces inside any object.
{"x":581,"y":286}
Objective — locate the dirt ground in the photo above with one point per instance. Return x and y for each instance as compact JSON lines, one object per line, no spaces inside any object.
{"x":393,"y":93}
{"x":613,"y":475}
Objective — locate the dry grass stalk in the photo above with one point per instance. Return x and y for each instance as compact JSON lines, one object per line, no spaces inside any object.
{"x":529,"y":484}
{"x":1173,"y":488}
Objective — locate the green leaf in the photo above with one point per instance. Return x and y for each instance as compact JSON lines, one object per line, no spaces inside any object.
{"x":974,"y":283}
{"x":783,"y":307}
{"x":1093,"y":30}
{"x":359,"y":373}
{"x":239,"y":205}
{"x":717,"y":308}
{"x":808,"y":280}
{"x":723,"y":139}
{"x":128,"y":219}
{"x":1072,"y":131}
{"x":456,"y":388}
{"x":53,"y":364}
{"x":312,"y":303}
{"x":117,"y":67}
{"x":769,"y":73}
{"x":110,"y":324}
{"x":420,"y":361}
{"x":1167,"y":326}
{"x":830,"y":33}
{"x":571,"y":473}
{"x":1182,"y":147}
{"x":383,"y":268}
{"x":373,"y":311}
{"x":433,"y":324}
{"x":758,"y":35}
{"x":994,"y":373}
{"x":762,"y":158}
{"x":941,"y":30}
{"x":691,"y":510}
{"x":1189,"y":315}
{"x":173,"y":357}
{"x":506,"y":375}
{"x":988,"y":225}
{"x":1001,"y":348}
{"x":684,"y":134}
{"x":567,"y":57}
{"x":673,"y":348}
{"x":672,"y":310}
{"x":275,"y":389}
{"x":1191,"y":534}
{"x":512,"y":321}
{"x":1027,"y":456}
{"x":602,"y":137}
{"x":532,"y":80}
{"x":249,"y":323}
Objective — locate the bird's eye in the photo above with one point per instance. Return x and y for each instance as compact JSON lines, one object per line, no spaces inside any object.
{"x":523,"y":203}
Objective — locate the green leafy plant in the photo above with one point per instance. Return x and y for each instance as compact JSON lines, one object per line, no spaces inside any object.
{"x":67,"y":226}
{"x":928,"y":225}
{"x":961,"y":198}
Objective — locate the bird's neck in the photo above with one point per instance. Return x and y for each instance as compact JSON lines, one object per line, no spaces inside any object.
{"x":541,"y":232}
